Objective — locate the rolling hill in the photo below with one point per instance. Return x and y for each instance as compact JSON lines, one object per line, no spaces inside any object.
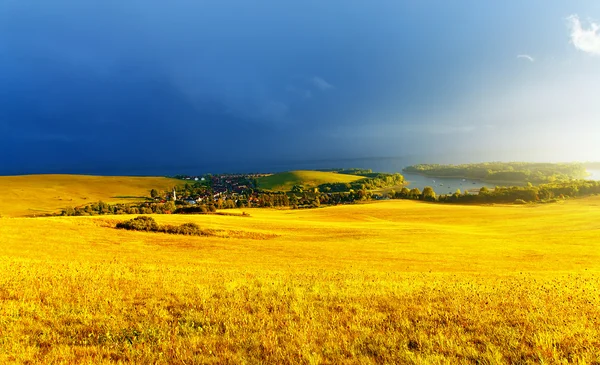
{"x":30,"y":195}
{"x":284,"y":181}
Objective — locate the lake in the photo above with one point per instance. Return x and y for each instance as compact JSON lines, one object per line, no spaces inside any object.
{"x":594,"y":174}
{"x":450,"y":185}
{"x":444,"y":185}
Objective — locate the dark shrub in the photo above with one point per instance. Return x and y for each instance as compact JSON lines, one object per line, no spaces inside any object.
{"x":192,"y":209}
{"x":141,"y":223}
{"x":190,"y":229}
{"x":168,"y":228}
{"x":148,"y":224}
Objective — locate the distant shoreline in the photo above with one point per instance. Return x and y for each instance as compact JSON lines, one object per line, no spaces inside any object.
{"x":468,"y":178}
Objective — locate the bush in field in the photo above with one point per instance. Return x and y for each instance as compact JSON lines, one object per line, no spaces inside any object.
{"x":190,"y":229}
{"x":168,"y":228}
{"x":140,"y":223}
{"x":148,"y":224}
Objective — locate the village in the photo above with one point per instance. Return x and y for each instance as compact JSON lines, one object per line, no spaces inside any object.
{"x":207,"y":189}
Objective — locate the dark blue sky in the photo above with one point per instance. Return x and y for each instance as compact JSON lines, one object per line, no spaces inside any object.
{"x":134,"y":86}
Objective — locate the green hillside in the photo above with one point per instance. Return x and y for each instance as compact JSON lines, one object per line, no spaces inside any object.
{"x":284,"y":181}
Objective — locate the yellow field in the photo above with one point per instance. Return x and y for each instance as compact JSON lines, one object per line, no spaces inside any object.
{"x":29,"y":195}
{"x":389,"y":282}
{"x":284,"y":181}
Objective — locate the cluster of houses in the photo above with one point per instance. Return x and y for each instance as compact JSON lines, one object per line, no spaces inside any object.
{"x":214,"y":188}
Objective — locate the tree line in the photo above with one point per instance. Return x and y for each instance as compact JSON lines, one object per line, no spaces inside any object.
{"x":342,"y":193}
{"x":307,"y":199}
{"x":545,"y":193}
{"x":521,"y":172}
{"x":101,"y":208}
{"x":350,"y":171}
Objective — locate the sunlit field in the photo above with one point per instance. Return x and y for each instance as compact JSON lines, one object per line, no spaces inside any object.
{"x":31,"y":195}
{"x":388,"y":282}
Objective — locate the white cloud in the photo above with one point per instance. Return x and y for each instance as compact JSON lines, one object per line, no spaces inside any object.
{"x":586,"y":40}
{"x":526,"y":57}
{"x":320,"y":84}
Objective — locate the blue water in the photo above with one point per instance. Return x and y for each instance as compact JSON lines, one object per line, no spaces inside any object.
{"x":595,"y":175}
{"x":444,"y":185}
{"x":450,"y":185}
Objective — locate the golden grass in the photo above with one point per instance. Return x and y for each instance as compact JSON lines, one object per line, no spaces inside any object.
{"x":284,"y":181}
{"x":389,"y":282}
{"x":29,"y":195}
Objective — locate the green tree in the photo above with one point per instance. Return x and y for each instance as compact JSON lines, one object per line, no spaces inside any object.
{"x":102,"y":207}
{"x":293,"y":199}
{"x":169,"y":207}
{"x":414,"y":193}
{"x":154,"y":193}
{"x":428,"y":194}
{"x":317,"y":202}
{"x":404,"y":192}
{"x":362,"y":194}
{"x":68,"y":211}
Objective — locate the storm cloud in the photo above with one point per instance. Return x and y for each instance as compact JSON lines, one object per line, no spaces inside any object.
{"x":118,"y":87}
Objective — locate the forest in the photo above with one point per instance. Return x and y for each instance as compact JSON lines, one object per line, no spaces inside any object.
{"x":516,"y":172}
